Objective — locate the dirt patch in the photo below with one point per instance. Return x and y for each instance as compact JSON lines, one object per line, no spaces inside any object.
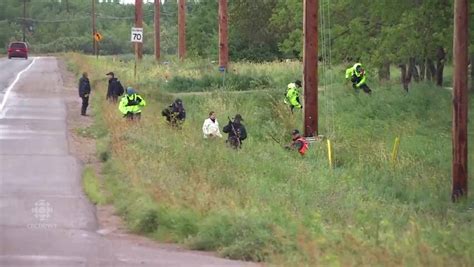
{"x":84,"y":149}
{"x":81,"y":147}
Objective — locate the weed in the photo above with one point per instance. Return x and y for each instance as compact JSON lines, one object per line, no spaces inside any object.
{"x":92,"y":186}
{"x":264,"y":203}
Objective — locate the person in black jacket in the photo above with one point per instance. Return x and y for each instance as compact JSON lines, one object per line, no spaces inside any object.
{"x":175,"y":113}
{"x":237,"y":132}
{"x":115,"y":88}
{"x":84,"y":92}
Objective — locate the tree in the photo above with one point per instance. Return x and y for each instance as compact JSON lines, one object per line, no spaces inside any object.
{"x":251,"y":36}
{"x":287,"y":19}
{"x":413,"y":34}
{"x":202,"y":28}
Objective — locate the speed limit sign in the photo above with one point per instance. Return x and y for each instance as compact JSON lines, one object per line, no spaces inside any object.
{"x":137,"y":35}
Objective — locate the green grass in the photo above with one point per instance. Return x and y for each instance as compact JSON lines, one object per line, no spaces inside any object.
{"x":264,"y":203}
{"x":91,"y":186}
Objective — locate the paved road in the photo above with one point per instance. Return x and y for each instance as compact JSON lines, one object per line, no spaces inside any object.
{"x":7,"y":69}
{"x":45,"y":219}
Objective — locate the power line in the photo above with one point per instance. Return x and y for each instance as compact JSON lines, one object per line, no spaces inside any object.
{"x":52,"y":21}
{"x":119,"y":18}
{"x":103,"y":17}
{"x":114,"y":18}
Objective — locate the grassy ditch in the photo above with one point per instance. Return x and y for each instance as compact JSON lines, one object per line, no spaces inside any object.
{"x":264,"y":203}
{"x":91,"y":185}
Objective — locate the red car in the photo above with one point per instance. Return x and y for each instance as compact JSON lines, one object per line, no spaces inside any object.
{"x":18,"y":49}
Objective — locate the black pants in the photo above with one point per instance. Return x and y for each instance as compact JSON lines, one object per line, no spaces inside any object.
{"x":85,"y":104}
{"x":366,"y":88}
{"x":112,"y":98}
{"x":234,"y":142}
{"x":355,"y":80}
{"x":133,"y":116}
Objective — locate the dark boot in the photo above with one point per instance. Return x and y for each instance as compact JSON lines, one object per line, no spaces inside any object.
{"x":366,"y":89}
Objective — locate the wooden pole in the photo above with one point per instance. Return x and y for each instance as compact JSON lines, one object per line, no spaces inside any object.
{"x":223,"y":43}
{"x":310,"y":67}
{"x":460,"y":99}
{"x":94,"y":42}
{"x":472,"y":72}
{"x":24,"y":20}
{"x":182,"y":29}
{"x":157,"y":29}
{"x":139,"y":24}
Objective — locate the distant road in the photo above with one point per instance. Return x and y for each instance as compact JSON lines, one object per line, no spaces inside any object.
{"x":8,"y":71}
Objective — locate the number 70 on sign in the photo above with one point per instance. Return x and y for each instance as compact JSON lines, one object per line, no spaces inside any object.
{"x":137,"y":35}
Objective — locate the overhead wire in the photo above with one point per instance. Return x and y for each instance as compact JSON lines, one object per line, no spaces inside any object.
{"x":323,"y":68}
{"x":326,"y":69}
{"x":53,"y":21}
{"x":331,"y":73}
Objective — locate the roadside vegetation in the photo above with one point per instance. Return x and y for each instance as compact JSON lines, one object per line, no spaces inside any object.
{"x":91,"y":185}
{"x":264,"y":203}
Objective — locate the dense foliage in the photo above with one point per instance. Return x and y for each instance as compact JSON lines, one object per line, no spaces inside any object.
{"x":380,"y":32}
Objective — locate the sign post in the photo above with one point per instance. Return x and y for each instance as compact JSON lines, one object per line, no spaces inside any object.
{"x":223,"y":70}
{"x":98,"y":37}
{"x":136,"y":37}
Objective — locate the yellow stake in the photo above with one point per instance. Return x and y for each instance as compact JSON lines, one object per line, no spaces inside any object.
{"x":396,"y":146}
{"x":330,"y":153}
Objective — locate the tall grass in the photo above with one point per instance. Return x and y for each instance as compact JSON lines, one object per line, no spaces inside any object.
{"x":91,"y":186}
{"x":264,"y":203}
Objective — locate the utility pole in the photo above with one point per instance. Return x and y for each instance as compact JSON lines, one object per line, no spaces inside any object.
{"x":139,"y":24}
{"x":182,"y":29}
{"x":310,"y":67}
{"x":223,"y":43}
{"x":472,"y":71}
{"x":94,"y":42}
{"x":24,"y":20}
{"x":157,"y":29}
{"x":460,"y":99}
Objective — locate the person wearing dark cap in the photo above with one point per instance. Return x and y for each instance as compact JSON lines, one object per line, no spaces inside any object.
{"x":175,"y":113}
{"x":84,"y":92}
{"x":298,"y":143}
{"x":131,"y":105}
{"x":292,"y":96}
{"x":236,"y":132}
{"x":115,"y":88}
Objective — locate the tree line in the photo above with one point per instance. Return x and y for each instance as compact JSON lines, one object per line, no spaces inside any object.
{"x":414,"y":35}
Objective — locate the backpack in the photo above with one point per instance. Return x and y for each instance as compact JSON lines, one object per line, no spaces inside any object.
{"x":120,"y":89}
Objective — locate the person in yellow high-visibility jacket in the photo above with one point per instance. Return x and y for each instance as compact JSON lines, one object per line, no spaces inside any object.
{"x":131,"y":104}
{"x":292,"y":96}
{"x":357,"y":75}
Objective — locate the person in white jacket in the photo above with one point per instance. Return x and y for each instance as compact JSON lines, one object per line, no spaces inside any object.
{"x":210,"y":128}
